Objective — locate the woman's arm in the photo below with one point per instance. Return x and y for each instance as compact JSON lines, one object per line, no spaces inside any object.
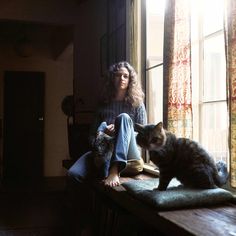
{"x":141,"y":115}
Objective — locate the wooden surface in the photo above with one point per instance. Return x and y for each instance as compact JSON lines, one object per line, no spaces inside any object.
{"x":217,"y":220}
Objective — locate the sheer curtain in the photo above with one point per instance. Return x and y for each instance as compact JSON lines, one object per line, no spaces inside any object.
{"x":177,"y":102}
{"x":230,"y":33}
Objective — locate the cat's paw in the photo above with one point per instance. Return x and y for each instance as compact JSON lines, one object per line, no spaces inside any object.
{"x":99,"y":133}
{"x":159,"y":189}
{"x":221,"y":166}
{"x":156,"y":189}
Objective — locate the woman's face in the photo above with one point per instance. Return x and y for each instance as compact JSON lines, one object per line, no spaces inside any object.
{"x":121,"y":79}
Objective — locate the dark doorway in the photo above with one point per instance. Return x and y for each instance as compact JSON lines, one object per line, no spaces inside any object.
{"x":23,"y":125}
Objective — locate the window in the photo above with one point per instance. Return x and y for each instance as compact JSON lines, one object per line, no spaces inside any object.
{"x":209,"y":77}
{"x":208,"y":72}
{"x":154,"y":59}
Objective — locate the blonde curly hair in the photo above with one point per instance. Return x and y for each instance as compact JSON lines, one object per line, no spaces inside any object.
{"x":134,"y":95}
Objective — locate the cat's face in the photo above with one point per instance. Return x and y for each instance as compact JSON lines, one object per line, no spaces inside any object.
{"x":102,"y":144}
{"x":102,"y":149}
{"x":150,"y":137}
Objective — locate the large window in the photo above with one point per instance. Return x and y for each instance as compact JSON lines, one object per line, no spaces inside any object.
{"x":208,"y":72}
{"x":209,"y":77}
{"x":154,"y":60}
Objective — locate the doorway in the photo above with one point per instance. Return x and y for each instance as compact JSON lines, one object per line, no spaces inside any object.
{"x":23,"y":125}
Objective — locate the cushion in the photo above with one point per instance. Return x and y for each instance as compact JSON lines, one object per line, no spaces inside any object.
{"x":133,"y":167}
{"x":176,"y":195}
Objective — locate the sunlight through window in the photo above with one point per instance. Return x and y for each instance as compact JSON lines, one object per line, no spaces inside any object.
{"x":210,"y":119}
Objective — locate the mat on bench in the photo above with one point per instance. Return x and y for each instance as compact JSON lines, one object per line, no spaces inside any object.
{"x":176,"y":195}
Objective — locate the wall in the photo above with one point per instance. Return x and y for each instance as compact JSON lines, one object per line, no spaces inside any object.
{"x":83,"y":67}
{"x":58,"y":83}
{"x":89,"y":30}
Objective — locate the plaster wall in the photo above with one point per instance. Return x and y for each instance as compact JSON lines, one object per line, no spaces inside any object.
{"x":78,"y":72}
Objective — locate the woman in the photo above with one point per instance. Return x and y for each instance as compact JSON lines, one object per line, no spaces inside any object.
{"x":122,"y":105}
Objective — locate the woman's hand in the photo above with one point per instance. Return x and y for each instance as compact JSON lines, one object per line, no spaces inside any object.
{"x":110,"y":130}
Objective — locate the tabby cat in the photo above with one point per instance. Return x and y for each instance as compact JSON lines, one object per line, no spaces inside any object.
{"x":180,"y":158}
{"x":102,"y":149}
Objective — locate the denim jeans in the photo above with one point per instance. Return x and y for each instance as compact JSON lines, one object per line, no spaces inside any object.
{"x":125,"y":148}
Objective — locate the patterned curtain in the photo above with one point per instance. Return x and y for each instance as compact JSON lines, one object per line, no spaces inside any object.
{"x":230,"y":33}
{"x":177,"y":73}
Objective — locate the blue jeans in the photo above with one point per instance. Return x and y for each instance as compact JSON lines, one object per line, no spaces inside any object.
{"x":125,"y":148}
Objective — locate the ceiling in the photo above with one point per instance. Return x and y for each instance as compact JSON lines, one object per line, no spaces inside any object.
{"x":58,"y":37}
{"x":13,"y":30}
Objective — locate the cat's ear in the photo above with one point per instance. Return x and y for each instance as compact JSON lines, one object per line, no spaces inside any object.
{"x":99,"y":133}
{"x":107,"y":137}
{"x":159,"y":126}
{"x":138,"y":127}
{"x":110,"y":138}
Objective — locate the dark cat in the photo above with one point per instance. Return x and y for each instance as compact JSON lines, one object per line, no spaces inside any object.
{"x":102,"y":149}
{"x":181,"y":158}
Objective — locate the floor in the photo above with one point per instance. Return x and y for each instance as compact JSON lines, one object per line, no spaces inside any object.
{"x":34,"y":209}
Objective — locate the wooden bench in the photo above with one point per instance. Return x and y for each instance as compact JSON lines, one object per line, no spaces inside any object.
{"x":112,"y":211}
{"x":214,"y":220}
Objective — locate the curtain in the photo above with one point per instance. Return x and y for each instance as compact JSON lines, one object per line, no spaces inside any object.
{"x":177,"y":102}
{"x":133,"y":34}
{"x":230,"y":36}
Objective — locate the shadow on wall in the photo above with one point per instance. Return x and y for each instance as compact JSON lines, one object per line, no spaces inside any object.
{"x":77,"y":133}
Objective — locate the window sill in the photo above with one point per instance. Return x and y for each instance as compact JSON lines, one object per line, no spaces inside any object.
{"x":149,"y":168}
{"x":230,"y":189}
{"x":172,"y":222}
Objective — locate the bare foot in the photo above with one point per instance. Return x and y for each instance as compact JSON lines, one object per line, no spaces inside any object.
{"x":112,"y":180}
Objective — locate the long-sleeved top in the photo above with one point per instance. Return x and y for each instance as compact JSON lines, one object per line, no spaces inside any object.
{"x":109,"y":112}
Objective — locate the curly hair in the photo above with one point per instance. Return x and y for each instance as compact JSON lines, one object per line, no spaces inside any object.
{"x":134,"y":95}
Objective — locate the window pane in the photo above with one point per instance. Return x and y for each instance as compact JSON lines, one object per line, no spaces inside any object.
{"x":212,"y":16}
{"x":214,"y":85}
{"x":155,"y":30}
{"x":214,"y":134}
{"x":155,"y":94}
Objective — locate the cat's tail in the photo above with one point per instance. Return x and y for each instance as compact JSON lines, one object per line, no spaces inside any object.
{"x":222,"y":176}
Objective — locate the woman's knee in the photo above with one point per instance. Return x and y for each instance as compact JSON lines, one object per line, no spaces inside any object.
{"x":72,"y":172}
{"x":81,"y":167}
{"x":123,"y":117}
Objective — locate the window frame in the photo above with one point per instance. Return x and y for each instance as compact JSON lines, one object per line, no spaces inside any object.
{"x":198,"y":123}
{"x":199,"y":39}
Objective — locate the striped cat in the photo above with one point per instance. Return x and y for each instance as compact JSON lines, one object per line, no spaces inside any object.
{"x":180,"y":158}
